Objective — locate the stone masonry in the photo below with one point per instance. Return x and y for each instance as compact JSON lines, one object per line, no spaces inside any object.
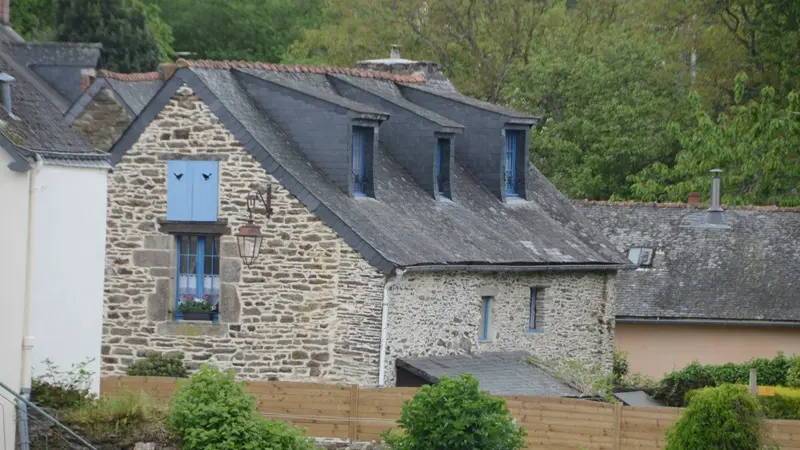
{"x":103,"y":121}
{"x":434,"y":314}
{"x":309,"y":309}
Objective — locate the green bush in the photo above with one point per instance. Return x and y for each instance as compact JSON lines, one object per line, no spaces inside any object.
{"x":771,"y":372}
{"x":158,"y":365}
{"x":455,"y":415}
{"x":793,"y":374}
{"x":781,"y":406}
{"x":62,"y":389}
{"x":723,"y":418}
{"x":212,"y":412}
{"x":122,"y":414}
{"x":620,"y":367}
{"x":672,"y":389}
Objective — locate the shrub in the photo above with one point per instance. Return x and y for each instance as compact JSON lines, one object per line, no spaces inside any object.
{"x":455,"y":415}
{"x":723,"y":418}
{"x":771,"y":372}
{"x":62,"y":389}
{"x":781,"y":407}
{"x":672,"y":389}
{"x":620,"y":365}
{"x":158,"y":365}
{"x":114,"y":413}
{"x":793,"y":373}
{"x":212,"y":411}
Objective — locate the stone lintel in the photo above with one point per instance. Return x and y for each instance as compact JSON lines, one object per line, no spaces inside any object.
{"x":179,"y":227}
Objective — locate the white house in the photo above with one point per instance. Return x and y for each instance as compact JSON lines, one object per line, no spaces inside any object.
{"x":52,"y":232}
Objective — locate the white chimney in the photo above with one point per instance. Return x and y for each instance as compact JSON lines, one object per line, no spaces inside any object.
{"x":394,"y":53}
{"x":715,"y":214}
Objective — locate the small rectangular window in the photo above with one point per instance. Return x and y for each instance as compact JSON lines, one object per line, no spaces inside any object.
{"x":532,"y":319}
{"x":510,"y":163}
{"x":359,"y":157}
{"x":443,"y":168}
{"x":192,"y":191}
{"x":486,"y":312}
{"x":197,"y":296}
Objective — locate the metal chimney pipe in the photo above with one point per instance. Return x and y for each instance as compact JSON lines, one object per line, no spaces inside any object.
{"x":716,"y":191}
{"x":394,"y":52}
{"x":5,"y":82}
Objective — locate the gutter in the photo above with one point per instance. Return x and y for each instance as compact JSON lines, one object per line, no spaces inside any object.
{"x":510,"y":268}
{"x":385,"y":325}
{"x":710,"y":322}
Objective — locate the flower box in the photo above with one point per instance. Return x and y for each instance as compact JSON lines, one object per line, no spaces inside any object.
{"x":198,"y":315}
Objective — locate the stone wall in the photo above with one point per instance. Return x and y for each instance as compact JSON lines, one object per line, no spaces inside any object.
{"x":309,"y":309}
{"x":103,"y":120}
{"x":433,"y":314}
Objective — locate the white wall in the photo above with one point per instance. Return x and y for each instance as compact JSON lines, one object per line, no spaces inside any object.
{"x":68,"y":268}
{"x":13,"y":237}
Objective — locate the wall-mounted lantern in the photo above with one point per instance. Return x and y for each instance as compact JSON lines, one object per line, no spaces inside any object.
{"x":249,"y":237}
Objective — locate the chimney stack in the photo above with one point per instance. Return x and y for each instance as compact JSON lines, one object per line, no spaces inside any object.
{"x":5,"y":12}
{"x":694,"y":198}
{"x":715,"y":214}
{"x":394,"y":52}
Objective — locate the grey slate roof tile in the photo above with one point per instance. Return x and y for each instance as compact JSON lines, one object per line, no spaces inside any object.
{"x":501,"y":373}
{"x":747,"y":271}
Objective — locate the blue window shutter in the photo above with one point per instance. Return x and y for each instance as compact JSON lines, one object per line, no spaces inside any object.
{"x":179,"y":191}
{"x":510,"y":163}
{"x":485,"y":319}
{"x":532,"y":318}
{"x":439,"y":144}
{"x":205,"y":190}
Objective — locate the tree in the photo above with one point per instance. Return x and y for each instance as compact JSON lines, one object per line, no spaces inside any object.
{"x":254,"y":30}
{"x":455,"y":415}
{"x":604,"y":94}
{"x":755,"y":143}
{"x":129,"y":44}
{"x":34,"y":19}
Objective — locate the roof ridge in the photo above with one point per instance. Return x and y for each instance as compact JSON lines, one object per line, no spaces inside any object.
{"x":768,"y":208}
{"x":227,"y":64}
{"x":57,"y":44}
{"x":139,"y":76}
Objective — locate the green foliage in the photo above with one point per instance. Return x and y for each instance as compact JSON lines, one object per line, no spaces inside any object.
{"x":259,"y":30}
{"x":723,"y":418}
{"x":158,"y":365}
{"x":117,"y":414}
{"x":212,"y":411}
{"x":756,"y":143}
{"x":793,"y":374}
{"x":780,"y":406}
{"x":129,"y":44}
{"x":620,"y":367}
{"x":455,"y":415}
{"x":62,"y":389}
{"x":34,"y":19}
{"x":672,"y":389}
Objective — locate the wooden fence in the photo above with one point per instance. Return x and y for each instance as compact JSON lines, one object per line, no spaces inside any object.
{"x":357,"y":413}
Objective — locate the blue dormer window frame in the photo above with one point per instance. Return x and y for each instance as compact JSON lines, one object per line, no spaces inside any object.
{"x":510,"y":161}
{"x":198,"y":272}
{"x":359,"y":150}
{"x":442,"y":168}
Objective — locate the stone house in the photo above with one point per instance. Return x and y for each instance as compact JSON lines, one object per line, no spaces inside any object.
{"x":406,"y":221}
{"x":713,"y":285}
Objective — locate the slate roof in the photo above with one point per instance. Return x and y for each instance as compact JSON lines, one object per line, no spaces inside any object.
{"x":133,"y":90}
{"x":499,"y":373}
{"x":59,"y":63}
{"x":748,"y":270}
{"x":38,"y":126}
{"x":403,"y":226}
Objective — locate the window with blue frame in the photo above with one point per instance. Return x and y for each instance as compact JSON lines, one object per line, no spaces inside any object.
{"x":486,"y":312}
{"x":197,"y":296}
{"x":443,"y":167}
{"x":359,"y":163}
{"x":512,"y":162}
{"x":192,"y":191}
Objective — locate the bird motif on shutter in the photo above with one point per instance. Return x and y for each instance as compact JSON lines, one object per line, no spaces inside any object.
{"x":206,"y":176}
{"x":178,"y":175}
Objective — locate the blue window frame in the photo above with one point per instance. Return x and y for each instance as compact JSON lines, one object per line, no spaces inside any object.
{"x":198,"y":272}
{"x":532,"y":317}
{"x":442,"y":167}
{"x":486,"y":311}
{"x":359,"y":164}
{"x":510,"y":155}
{"x":192,"y":191}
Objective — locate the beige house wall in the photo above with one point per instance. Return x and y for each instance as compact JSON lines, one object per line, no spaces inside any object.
{"x":657,"y":349}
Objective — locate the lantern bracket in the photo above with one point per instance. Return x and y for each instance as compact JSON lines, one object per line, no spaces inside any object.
{"x":262,"y":196}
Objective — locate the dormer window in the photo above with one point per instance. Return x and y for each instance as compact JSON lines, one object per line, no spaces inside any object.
{"x":511,"y":161}
{"x":443,"y":168}
{"x":361,"y":161}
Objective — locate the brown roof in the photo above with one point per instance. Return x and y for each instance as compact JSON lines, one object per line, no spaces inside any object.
{"x":767,"y":208}
{"x":208,"y":64}
{"x":146,"y":76}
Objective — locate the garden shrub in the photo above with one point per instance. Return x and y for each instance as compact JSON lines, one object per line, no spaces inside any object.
{"x":62,"y":389}
{"x":793,"y":374}
{"x":781,"y":406}
{"x":672,"y":389}
{"x":722,"y":418}
{"x":620,"y":365}
{"x":125,"y":415}
{"x":455,"y":415}
{"x":212,"y":412}
{"x":158,"y":365}
{"x":771,"y":372}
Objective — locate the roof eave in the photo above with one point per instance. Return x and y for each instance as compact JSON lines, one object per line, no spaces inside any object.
{"x":707,"y":322}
